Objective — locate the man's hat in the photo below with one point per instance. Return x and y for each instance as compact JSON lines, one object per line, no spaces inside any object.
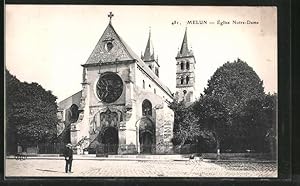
{"x":69,"y":145}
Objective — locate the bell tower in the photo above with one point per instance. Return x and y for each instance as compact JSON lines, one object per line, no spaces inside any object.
{"x":185,"y":73}
{"x":149,"y":57}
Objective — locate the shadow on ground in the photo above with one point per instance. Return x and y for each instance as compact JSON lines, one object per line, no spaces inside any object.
{"x":45,"y":170}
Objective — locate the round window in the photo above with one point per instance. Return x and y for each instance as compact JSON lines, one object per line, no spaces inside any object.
{"x":109,"y":87}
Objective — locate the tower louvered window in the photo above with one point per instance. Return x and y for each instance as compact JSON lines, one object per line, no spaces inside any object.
{"x":187,"y":65}
{"x":182,"y":80}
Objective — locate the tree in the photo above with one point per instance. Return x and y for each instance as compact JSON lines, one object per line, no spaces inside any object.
{"x":31,"y":112}
{"x":251,"y":126}
{"x":269,"y":109}
{"x":12,"y":84}
{"x":233,"y":84}
{"x":231,"y":106}
{"x":212,"y":116}
{"x":186,"y":128}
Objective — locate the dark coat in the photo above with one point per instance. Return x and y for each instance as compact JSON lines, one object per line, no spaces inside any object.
{"x":68,"y":153}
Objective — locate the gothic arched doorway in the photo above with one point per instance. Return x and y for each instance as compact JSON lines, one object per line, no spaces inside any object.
{"x":146,"y":141}
{"x":146,"y":135}
{"x":110,"y":140}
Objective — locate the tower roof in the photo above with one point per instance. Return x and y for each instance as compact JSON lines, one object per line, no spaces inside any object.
{"x":149,"y":51}
{"x":184,"y":50}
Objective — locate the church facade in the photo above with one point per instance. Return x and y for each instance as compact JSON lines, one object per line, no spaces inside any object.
{"x":123,"y":105}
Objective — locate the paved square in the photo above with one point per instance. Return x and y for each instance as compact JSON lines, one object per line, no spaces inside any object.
{"x":113,"y":168}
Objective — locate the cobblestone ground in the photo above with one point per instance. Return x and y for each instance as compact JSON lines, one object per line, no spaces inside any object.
{"x":107,"y":168}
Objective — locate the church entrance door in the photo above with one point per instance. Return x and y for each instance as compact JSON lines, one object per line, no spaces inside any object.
{"x":146,"y":143}
{"x":110,"y":140}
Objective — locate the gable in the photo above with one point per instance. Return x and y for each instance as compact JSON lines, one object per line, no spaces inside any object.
{"x":120,"y":52}
{"x":109,"y":48}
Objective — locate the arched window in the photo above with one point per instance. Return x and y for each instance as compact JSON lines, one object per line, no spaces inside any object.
{"x":154,"y":91}
{"x":147,"y":108}
{"x":187,"y":79}
{"x":184,"y":92}
{"x":181,"y":80}
{"x":187,"y":65}
{"x":73,"y":113}
{"x":182,"y":65}
{"x":150,"y":67}
{"x":149,"y":86}
{"x":143,"y":84}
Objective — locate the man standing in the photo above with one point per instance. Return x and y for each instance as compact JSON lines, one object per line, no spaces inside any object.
{"x":68,"y":157}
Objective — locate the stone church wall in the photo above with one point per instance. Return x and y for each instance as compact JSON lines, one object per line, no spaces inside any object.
{"x":162,"y":117}
{"x":141,"y":95}
{"x":124,"y":106}
{"x":164,"y":130}
{"x":150,"y":86}
{"x":64,"y":113}
{"x":93,"y":76}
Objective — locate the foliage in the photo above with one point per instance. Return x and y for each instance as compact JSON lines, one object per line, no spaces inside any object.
{"x":31,"y":112}
{"x":212,"y":115}
{"x":269,"y":109}
{"x":232,"y":107}
{"x":233,"y":84}
{"x":186,"y":128}
{"x":233,"y":114}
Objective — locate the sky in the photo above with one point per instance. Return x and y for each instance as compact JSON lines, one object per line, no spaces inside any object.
{"x":48,"y":43}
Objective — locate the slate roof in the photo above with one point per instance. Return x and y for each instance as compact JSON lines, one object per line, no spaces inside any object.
{"x":67,"y":102}
{"x":184,"y":50}
{"x":149,"y":51}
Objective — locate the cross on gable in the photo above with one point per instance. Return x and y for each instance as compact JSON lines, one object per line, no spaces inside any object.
{"x":110,"y":15}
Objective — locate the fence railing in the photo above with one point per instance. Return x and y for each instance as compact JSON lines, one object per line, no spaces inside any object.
{"x":58,"y":148}
{"x":54,"y":148}
{"x":110,"y":149}
{"x":106,"y":149}
{"x":43,"y":148}
{"x":144,"y":149}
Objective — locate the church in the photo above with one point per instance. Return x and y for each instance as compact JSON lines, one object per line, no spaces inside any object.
{"x":123,"y":105}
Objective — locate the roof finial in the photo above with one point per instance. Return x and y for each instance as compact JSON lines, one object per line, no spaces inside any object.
{"x":149,"y":31}
{"x":184,"y":50}
{"x":110,"y":15}
{"x":149,"y":51}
